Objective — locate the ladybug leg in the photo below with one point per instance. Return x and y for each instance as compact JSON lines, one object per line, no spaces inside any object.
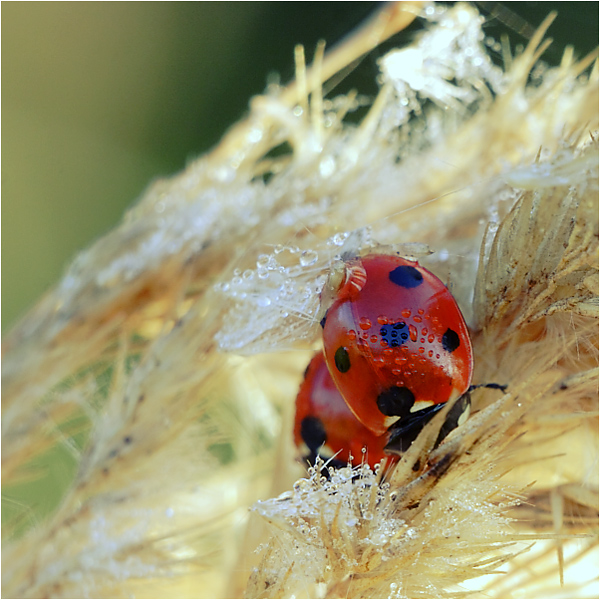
{"x":405,"y":431}
{"x":458,"y":414}
{"x":491,"y":386}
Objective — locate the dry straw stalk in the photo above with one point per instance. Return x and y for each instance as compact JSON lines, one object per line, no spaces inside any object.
{"x":161,"y":348}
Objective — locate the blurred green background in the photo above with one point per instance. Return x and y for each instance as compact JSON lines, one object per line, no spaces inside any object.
{"x":99,"y":98}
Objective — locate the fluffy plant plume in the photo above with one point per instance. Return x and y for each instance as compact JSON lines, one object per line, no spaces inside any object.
{"x":165,"y":363}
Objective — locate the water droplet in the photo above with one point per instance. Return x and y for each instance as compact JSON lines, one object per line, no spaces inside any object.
{"x":263,"y":260}
{"x":327,"y":167}
{"x":364,"y":323}
{"x":308,"y":258}
{"x":255,"y":135}
{"x":339,"y":238}
{"x":412,"y":331}
{"x":263,"y":301}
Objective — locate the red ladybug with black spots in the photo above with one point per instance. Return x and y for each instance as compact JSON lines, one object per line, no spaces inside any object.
{"x":397,"y":346}
{"x":324,"y":425}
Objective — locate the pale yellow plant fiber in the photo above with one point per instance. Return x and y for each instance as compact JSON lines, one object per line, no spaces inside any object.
{"x":505,"y":193}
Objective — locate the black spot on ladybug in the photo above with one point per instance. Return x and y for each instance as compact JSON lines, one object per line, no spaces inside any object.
{"x":324,"y":319}
{"x":406,"y":276}
{"x":342,"y":360}
{"x":393,"y":334}
{"x":313,"y":433}
{"x":396,"y":402}
{"x":450,"y":340}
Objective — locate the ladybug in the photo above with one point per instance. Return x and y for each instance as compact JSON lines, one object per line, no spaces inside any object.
{"x":324,"y":425}
{"x":396,"y":345}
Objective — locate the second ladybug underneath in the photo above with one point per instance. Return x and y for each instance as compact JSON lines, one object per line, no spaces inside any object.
{"x":324,"y":425}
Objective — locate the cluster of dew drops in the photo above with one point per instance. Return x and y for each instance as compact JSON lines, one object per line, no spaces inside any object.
{"x":288,"y":277}
{"x":358,"y":480}
{"x":356,"y":495}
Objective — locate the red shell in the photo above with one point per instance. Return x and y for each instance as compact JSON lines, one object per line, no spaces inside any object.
{"x":322,"y":413}
{"x":395,"y":340}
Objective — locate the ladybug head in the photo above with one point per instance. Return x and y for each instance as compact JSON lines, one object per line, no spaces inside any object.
{"x":345,"y":280}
